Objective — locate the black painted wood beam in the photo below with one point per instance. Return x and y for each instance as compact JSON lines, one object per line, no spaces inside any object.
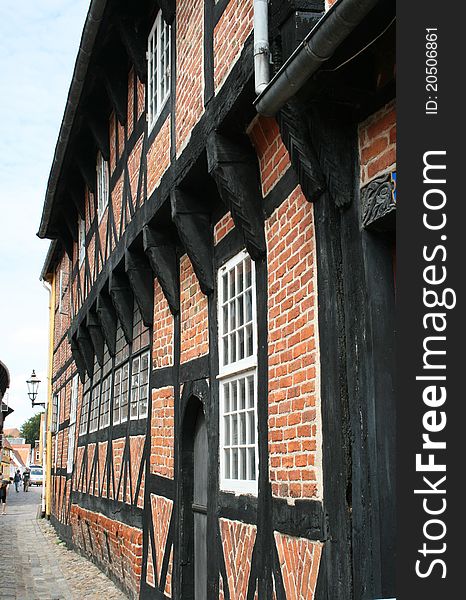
{"x":76,"y":194}
{"x":168,"y":10}
{"x":78,"y":358}
{"x":87,"y":349}
{"x":67,"y":241}
{"x":123,"y":301}
{"x":117,"y":90}
{"x":134,"y":46}
{"x":141,"y":280}
{"x":96,"y":335}
{"x":87,"y":168}
{"x":100,"y":133}
{"x":70,"y":218}
{"x":193,"y":223}
{"x":108,"y":321}
{"x":162,"y":256}
{"x":304,"y":158}
{"x":234,"y":169}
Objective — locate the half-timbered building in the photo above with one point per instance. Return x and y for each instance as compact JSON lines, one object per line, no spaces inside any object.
{"x":221,"y":415}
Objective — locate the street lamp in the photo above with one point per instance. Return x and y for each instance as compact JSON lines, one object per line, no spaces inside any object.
{"x":33,"y":388}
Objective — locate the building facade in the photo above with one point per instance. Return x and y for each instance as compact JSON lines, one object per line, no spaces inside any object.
{"x":221,"y":414}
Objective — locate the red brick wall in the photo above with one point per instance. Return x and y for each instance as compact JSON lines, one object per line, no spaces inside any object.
{"x":93,"y":534}
{"x":223,"y":227}
{"x":377,"y":143}
{"x":299,"y":563}
{"x":230,"y":33}
{"x":190,"y":76}
{"x":194,"y":314}
{"x":293,"y":359}
{"x":158,"y":157}
{"x":162,"y":509}
{"x":162,"y":432}
{"x":238,"y":543}
{"x":273,"y":157}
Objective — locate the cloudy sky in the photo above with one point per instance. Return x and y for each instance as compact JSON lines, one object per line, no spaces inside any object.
{"x":39,"y":41}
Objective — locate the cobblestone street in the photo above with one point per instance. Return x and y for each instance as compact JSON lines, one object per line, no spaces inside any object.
{"x":36,"y":565}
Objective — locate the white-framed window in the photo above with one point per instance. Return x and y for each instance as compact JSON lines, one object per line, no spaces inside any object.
{"x":63,"y":289}
{"x":82,"y":240}
{"x":94,"y":412}
{"x":139,"y":386}
{"x":158,"y":68}
{"x":120,"y":394}
{"x":84,"y":413}
{"x":105,"y":402}
{"x":102,"y":185}
{"x":55,"y":413}
{"x":72,"y":426}
{"x":237,"y":374}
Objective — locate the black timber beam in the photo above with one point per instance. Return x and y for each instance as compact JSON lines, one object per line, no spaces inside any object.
{"x":87,"y":168}
{"x":123,"y":301}
{"x":67,"y":241}
{"x":78,"y":359}
{"x":108,"y":321}
{"x":96,"y":335}
{"x":141,"y":280}
{"x":304,"y":158}
{"x":99,"y":131}
{"x":193,"y":223}
{"x":69,"y":216}
{"x":86,"y":348}
{"x":117,"y":90}
{"x":162,"y":255}
{"x":234,"y":170}
{"x":77,"y":196}
{"x":168,"y":10}
{"x":133,"y":44}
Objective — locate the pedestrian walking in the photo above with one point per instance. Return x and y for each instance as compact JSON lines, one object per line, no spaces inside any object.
{"x":3,"y":494}
{"x":17,"y":479}
{"x":26,"y":479}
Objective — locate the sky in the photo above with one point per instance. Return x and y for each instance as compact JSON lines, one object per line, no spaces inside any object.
{"x":39,"y":41}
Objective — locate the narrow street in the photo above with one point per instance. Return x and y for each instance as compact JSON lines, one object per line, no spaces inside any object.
{"x":35,"y":565}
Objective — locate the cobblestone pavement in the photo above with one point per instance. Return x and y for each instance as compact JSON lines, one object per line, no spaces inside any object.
{"x":36,"y":565}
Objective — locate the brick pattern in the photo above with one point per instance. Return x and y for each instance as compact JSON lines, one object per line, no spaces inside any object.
{"x":112,"y":133}
{"x":230,"y":34}
{"x":161,"y":514}
{"x":162,"y":432}
{"x":377,"y":143}
{"x":158,"y":157}
{"x":136,"y":449}
{"x":162,"y":350}
{"x":130,"y":111}
{"x":293,"y":360}
{"x":194,"y":314}
{"x":102,"y":489}
{"x":299,"y":563}
{"x":150,"y":573}
{"x":223,"y":227}
{"x":189,"y":72}
{"x":93,"y":534}
{"x":141,"y":98}
{"x":90,"y":482}
{"x":169,"y":579}
{"x":118,"y":448}
{"x":274,"y":159}
{"x":238,"y":542}
{"x":134,"y":164}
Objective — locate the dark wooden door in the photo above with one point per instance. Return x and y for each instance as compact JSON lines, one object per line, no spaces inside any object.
{"x":200,"y":508}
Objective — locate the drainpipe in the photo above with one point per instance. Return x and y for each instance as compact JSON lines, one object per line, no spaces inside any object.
{"x":317,"y":47}
{"x":261,"y":45}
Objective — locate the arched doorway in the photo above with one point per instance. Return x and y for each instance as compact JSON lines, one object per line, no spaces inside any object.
{"x":199,"y":507}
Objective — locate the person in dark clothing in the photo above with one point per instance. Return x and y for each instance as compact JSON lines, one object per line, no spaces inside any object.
{"x":26,"y":479}
{"x":3,"y":494}
{"x":17,"y":479}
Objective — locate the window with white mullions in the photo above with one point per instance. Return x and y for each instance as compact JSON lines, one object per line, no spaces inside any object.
{"x":84,"y":413}
{"x":124,"y":392}
{"x":102,"y":185}
{"x":82,"y":240}
{"x":237,"y":374}
{"x":94,"y":412}
{"x":72,"y":425}
{"x":105,"y":403}
{"x":158,"y":68}
{"x":139,"y":386}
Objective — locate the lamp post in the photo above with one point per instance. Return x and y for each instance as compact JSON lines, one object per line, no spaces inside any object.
{"x":33,"y":389}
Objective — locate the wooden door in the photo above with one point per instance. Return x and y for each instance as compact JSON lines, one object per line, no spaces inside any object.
{"x":199,"y":508}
